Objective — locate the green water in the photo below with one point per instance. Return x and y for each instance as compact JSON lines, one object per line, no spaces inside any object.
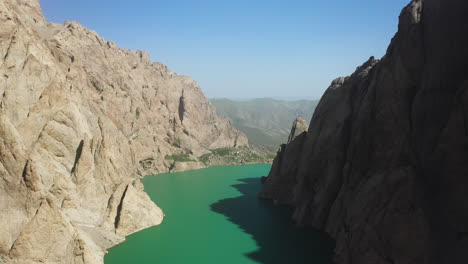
{"x":214,"y":216}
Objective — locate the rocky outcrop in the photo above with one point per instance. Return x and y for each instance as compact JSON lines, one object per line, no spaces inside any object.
{"x":383,"y":168}
{"x":299,"y":126}
{"x":281,"y":180}
{"x":80,"y":120}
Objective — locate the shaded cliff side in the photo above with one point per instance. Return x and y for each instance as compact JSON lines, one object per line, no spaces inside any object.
{"x":383,"y":169}
{"x":80,"y":120}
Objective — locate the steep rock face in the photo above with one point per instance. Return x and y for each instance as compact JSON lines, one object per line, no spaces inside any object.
{"x":384,"y":167}
{"x":299,"y":126}
{"x":80,"y":119}
{"x":281,"y":181}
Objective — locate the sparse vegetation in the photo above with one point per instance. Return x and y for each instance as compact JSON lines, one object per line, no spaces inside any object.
{"x":239,"y":155}
{"x":179,"y":157}
{"x":226,"y":156}
{"x":204,"y":158}
{"x":223,"y":151}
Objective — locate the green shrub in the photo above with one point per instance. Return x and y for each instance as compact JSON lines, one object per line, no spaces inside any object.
{"x":204,"y":158}
{"x":222,"y":151}
{"x":180,"y":157}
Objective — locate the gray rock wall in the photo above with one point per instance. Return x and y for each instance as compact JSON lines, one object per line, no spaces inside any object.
{"x":383,"y":169}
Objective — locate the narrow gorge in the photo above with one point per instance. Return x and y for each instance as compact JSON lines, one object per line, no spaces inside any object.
{"x":383,"y":166}
{"x":80,"y":121}
{"x":378,"y":176}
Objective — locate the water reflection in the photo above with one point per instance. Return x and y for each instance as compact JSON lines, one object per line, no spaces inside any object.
{"x":270,"y":226}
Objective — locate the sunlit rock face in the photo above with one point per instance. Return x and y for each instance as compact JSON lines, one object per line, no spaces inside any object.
{"x":383,"y":167}
{"x":80,"y":120}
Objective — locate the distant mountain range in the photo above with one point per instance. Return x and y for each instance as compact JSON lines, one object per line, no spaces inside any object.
{"x":265,"y":121}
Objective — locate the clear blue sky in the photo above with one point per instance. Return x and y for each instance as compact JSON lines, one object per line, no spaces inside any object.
{"x":245,"y":48}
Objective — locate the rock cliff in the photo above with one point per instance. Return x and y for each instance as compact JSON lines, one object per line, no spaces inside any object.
{"x":383,"y":169}
{"x":80,"y":120}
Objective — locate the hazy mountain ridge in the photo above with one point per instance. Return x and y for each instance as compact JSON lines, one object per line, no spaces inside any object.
{"x":265,"y":121}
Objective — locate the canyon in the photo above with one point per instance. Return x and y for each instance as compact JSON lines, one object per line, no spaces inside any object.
{"x":383,"y":166}
{"x":81,"y":120}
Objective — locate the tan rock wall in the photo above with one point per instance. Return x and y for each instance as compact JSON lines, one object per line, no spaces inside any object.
{"x":78,"y":116}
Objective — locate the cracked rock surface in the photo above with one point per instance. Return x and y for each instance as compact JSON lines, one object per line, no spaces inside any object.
{"x":80,"y":121}
{"x":383,"y":166}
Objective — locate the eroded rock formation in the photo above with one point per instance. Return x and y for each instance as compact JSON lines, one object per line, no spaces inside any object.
{"x":80,"y":119}
{"x":383,"y":167}
{"x":299,"y":126}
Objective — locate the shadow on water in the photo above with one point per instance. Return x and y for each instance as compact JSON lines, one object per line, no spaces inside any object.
{"x":278,"y":240}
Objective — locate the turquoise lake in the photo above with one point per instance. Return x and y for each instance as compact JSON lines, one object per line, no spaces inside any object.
{"x":213,"y":215}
